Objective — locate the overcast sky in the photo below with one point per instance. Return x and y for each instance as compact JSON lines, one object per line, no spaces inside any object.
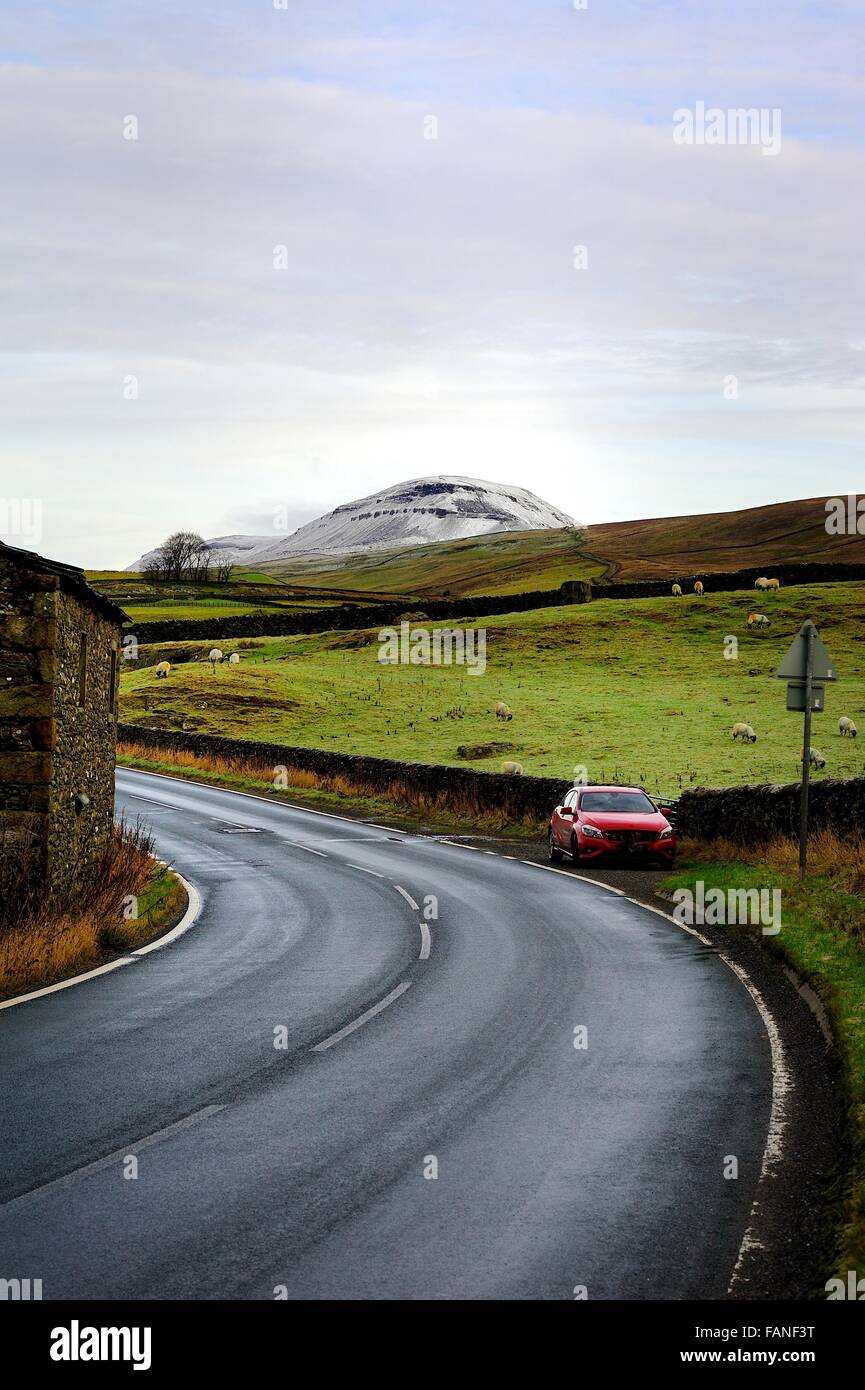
{"x":429,"y":317}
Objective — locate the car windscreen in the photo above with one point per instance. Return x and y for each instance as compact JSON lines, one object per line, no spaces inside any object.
{"x":623,"y":803}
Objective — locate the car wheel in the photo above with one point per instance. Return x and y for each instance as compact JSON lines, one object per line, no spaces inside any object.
{"x":553,"y":850}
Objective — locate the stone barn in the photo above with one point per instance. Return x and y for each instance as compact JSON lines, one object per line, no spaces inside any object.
{"x":60,"y":647}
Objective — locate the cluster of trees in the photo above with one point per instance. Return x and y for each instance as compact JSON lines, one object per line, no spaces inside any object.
{"x":186,"y":556}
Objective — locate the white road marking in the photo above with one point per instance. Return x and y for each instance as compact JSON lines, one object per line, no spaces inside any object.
{"x":620,"y":892}
{"x":364,"y":871}
{"x":253,"y":796}
{"x":364,"y":1018}
{"x":66,"y":1179}
{"x":782,"y":1086}
{"x":193,"y":908}
{"x":425,"y":936}
{"x":66,"y":984}
{"x":408,"y":897}
{"x":321,"y":854}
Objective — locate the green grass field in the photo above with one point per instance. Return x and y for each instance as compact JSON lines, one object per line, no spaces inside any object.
{"x":636,"y":690}
{"x":147,"y":601}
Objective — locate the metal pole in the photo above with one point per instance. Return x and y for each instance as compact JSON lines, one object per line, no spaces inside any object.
{"x":806,"y":756}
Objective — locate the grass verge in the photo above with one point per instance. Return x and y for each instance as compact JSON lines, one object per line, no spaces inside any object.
{"x":446,"y":811}
{"x":127,"y":900}
{"x":823,"y":940}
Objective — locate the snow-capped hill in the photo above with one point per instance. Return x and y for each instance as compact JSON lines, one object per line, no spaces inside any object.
{"x":418,"y":512}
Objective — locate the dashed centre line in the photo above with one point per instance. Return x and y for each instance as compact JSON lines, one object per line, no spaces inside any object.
{"x":364,"y":1018}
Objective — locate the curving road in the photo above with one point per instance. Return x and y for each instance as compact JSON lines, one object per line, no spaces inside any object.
{"x":301,"y":1167}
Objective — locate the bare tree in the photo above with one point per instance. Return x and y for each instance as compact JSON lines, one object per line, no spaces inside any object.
{"x":221,"y":565}
{"x":183,"y":555}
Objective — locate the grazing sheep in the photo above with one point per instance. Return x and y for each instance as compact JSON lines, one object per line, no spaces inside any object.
{"x":761,"y":583}
{"x":773,"y":584}
{"x":698,"y":588}
{"x":815,"y":757}
{"x":233,"y":659}
{"x":162,"y":669}
{"x":215,"y":657}
{"x":846,"y":727}
{"x":503,"y":711}
{"x":513,"y":769}
{"x":744,"y":732}
{"x":677,"y":591}
{"x":758,"y":620}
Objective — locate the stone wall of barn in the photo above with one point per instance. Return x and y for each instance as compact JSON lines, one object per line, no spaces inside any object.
{"x":28,"y":630}
{"x":57,"y":732}
{"x":85,"y":713}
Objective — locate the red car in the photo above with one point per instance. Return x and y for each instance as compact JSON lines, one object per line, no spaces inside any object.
{"x":610,"y":823}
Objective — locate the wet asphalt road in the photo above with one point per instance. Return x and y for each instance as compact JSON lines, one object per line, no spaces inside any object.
{"x":301,"y":1167}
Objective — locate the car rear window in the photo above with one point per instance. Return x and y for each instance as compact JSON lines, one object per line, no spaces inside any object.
{"x":626,"y":803}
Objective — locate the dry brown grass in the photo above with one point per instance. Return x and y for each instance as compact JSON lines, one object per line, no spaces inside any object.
{"x":448,"y":802}
{"x":43,"y":941}
{"x":829,"y":856}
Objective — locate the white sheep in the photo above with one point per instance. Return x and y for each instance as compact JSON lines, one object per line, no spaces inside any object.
{"x":234,"y":659}
{"x":815,"y":757}
{"x":744,"y":732}
{"x":698,"y":588}
{"x":773,"y":583}
{"x":162,"y":669}
{"x":503,"y":711}
{"x":758,"y":620}
{"x":761,"y":583}
{"x":846,"y":727}
{"x":215,"y":657}
{"x":677,"y":591}
{"x":513,"y":769}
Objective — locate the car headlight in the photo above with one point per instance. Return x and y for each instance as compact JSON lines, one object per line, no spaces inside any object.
{"x":666,"y":834}
{"x":592,"y":832}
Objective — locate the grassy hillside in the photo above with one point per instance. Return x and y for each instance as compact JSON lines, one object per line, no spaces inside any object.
{"x":784,"y":532}
{"x":663,"y":547}
{"x":636,"y":690}
{"x":505,"y":564}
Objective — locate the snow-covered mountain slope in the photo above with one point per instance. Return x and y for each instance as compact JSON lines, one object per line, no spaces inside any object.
{"x":418,"y":512}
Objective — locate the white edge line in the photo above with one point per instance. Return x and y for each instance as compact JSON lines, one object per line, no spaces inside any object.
{"x":533,"y":864}
{"x":193,"y":908}
{"x":256,"y":796}
{"x":782,"y":1086}
{"x":782,"y":1082}
{"x":364,"y":1018}
{"x":372,"y":872}
{"x":66,"y":984}
{"x":320,"y":852}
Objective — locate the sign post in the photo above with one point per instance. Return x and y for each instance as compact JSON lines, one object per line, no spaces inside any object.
{"x":806,"y":667}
